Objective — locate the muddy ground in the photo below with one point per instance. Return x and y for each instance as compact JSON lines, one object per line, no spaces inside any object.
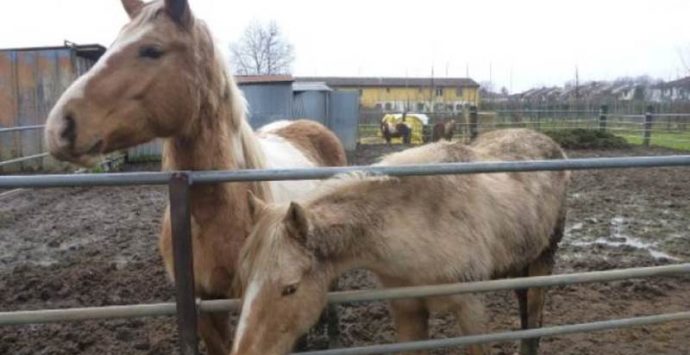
{"x":82,"y":247}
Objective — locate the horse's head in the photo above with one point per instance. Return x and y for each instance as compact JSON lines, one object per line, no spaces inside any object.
{"x":284,"y":284}
{"x":144,"y":86}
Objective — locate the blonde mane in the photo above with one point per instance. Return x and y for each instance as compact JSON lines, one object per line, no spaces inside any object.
{"x":221,"y":101}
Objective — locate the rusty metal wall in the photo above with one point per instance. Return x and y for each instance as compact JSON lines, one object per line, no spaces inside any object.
{"x":31,"y":81}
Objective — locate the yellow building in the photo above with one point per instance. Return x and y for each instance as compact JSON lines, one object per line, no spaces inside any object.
{"x":407,"y":94}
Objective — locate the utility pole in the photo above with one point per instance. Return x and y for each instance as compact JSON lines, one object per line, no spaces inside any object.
{"x":491,"y":74}
{"x":577,"y":83}
{"x":432,"y":92}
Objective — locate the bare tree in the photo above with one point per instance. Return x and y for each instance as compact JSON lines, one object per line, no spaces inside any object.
{"x":262,"y":50}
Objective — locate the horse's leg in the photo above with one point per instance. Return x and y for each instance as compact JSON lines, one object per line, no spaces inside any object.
{"x":333,"y":322}
{"x":410,"y":316}
{"x":214,"y":330}
{"x":532,"y":300}
{"x":411,"y":319}
{"x":532,"y":305}
{"x":469,"y":313}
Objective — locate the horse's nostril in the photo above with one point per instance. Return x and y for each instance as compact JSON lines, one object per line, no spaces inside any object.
{"x":69,"y":132}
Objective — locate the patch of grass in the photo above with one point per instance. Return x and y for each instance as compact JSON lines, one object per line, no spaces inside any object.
{"x":680,"y":141}
{"x":580,"y":138}
{"x":145,"y":159}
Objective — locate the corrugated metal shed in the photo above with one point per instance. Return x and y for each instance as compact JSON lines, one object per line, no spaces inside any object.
{"x":310,"y":86}
{"x":31,"y":81}
{"x":312,"y":105}
{"x":390,"y":81}
{"x":268,"y":101}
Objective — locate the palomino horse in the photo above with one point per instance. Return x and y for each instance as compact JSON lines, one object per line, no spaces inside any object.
{"x":443,"y":130}
{"x":460,"y":228}
{"x":391,"y":130}
{"x":164,"y":77}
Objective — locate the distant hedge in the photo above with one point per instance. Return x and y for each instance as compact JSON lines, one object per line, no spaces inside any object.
{"x":579,"y":138}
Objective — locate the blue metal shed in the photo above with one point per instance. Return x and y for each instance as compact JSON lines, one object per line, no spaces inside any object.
{"x":311,"y":100}
{"x":269,"y":98}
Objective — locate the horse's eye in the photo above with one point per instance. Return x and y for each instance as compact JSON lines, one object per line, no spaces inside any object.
{"x":150,"y":52}
{"x":289,"y":290}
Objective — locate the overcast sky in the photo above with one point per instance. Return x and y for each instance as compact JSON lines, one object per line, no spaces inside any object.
{"x":539,"y":41}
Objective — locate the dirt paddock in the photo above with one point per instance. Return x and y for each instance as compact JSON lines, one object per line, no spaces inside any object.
{"x":81,"y":247}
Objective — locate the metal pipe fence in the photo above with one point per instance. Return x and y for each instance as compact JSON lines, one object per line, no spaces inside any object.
{"x":187,"y":305}
{"x":21,"y":128}
{"x":167,"y":309}
{"x":23,"y":159}
{"x":506,"y":336}
{"x":219,"y":176}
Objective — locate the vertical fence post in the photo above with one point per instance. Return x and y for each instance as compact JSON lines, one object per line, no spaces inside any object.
{"x":180,"y":220}
{"x":603,"y":113}
{"x":648,"y":119}
{"x":474,"y":122}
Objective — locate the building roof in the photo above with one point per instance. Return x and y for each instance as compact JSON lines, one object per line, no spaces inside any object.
{"x":310,"y":86}
{"x":90,"y":51}
{"x":263,"y":79}
{"x":391,"y":82}
{"x":683,"y":82}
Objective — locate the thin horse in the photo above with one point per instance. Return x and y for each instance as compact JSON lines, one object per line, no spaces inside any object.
{"x":164,"y":77}
{"x":460,"y":228}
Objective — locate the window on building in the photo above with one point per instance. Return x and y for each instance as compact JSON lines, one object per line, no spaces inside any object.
{"x":389,"y":106}
{"x":378,"y":106}
{"x":420,"y":106}
{"x":439,"y":91}
{"x":388,"y":89}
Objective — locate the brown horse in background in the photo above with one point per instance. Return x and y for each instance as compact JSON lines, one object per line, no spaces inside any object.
{"x":164,"y":77}
{"x":396,"y":130}
{"x":443,"y":130}
{"x":460,"y":228}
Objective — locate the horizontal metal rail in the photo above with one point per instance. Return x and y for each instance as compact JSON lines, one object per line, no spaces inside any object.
{"x":163,"y":309}
{"x":21,"y":128}
{"x":632,"y":115}
{"x":506,"y":336}
{"x":593,"y":112}
{"x":210,"y":177}
{"x":671,"y":114}
{"x":23,"y":159}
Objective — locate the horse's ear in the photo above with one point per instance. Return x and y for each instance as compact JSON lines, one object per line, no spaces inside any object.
{"x":132,"y":7}
{"x":297,"y":222}
{"x":256,"y":205}
{"x":179,"y":11}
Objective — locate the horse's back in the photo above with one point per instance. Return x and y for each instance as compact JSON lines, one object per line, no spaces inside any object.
{"x":313,"y":139}
{"x":512,"y":214}
{"x":298,"y":144}
{"x":517,"y":144}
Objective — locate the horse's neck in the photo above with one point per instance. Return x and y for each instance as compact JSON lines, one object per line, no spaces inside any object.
{"x":346,"y":233}
{"x":216,"y":145}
